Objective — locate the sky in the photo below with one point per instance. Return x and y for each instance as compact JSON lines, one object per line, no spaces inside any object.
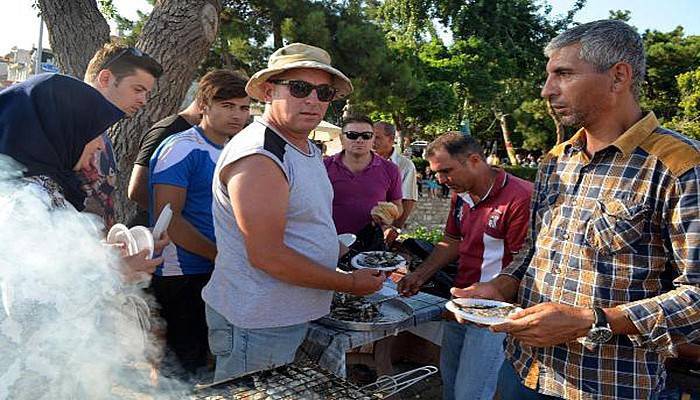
{"x":19,"y":25}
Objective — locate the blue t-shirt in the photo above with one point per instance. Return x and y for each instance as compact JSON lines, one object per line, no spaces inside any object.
{"x":186,"y":160}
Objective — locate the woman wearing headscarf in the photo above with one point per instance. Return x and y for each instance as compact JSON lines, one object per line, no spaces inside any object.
{"x":67,"y":319}
{"x":52,"y":124}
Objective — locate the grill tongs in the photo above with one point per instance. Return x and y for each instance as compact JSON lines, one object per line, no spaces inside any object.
{"x":386,"y":385}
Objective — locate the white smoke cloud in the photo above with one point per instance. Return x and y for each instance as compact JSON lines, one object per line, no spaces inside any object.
{"x":68,"y":325}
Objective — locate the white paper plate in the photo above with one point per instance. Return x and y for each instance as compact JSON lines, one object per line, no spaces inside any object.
{"x":143,"y":239}
{"x":478,"y":319}
{"x":135,"y":239}
{"x":359,"y":261}
{"x":121,"y":234}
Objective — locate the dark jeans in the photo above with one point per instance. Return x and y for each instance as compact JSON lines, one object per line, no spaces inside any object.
{"x":182,"y":308}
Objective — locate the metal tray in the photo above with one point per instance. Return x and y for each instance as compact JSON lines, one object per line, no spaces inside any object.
{"x":393,"y":312}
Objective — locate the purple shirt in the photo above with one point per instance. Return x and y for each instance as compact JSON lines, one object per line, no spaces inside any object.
{"x":354,"y":195}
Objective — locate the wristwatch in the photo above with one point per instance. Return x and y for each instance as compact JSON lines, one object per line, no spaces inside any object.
{"x":600,"y":331}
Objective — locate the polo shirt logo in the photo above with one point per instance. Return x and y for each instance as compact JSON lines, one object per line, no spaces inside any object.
{"x":493,"y":218}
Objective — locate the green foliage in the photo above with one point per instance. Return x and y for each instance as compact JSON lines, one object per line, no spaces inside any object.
{"x":535,"y":125}
{"x":434,"y":101}
{"x":689,"y":88}
{"x":420,"y":163}
{"x":622,"y":15}
{"x":526,"y":173}
{"x":433,"y":236}
{"x":687,"y":126}
{"x":312,"y":29}
{"x":688,"y":119}
{"x":668,"y":55}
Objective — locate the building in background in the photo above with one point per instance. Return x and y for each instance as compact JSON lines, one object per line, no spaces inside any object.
{"x":20,"y":64}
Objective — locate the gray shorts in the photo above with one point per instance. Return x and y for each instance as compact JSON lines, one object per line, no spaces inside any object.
{"x":239,"y":351}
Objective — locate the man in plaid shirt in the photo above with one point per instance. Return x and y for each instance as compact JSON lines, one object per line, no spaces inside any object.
{"x":609,"y":277}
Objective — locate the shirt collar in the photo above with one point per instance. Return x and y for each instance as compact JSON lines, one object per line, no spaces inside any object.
{"x":636,"y":134}
{"x":626,"y":142}
{"x":576,"y":144}
{"x":499,"y":183}
{"x":394,"y":157}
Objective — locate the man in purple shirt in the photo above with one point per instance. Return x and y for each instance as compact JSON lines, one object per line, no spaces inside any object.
{"x":360,"y":177}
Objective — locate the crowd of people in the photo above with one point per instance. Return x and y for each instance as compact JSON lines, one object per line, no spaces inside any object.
{"x":600,"y":252}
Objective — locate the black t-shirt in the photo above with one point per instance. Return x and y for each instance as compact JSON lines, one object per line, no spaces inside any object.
{"x":155,"y":136}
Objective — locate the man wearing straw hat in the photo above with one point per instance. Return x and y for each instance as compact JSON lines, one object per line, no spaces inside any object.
{"x":276,"y":241}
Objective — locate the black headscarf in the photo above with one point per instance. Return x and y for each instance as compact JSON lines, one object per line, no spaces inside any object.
{"x":45,"y":123}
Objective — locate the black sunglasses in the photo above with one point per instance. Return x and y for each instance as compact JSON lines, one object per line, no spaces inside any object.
{"x":352,"y":135}
{"x":301,"y":89}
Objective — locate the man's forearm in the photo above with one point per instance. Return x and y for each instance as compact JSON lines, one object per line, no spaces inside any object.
{"x":185,"y":235}
{"x":138,"y":186}
{"x":289,"y":266}
{"x":507,"y":286}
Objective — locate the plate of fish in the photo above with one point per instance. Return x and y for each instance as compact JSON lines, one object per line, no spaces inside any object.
{"x":482,"y":311}
{"x":379,"y":260}
{"x":366,"y":313}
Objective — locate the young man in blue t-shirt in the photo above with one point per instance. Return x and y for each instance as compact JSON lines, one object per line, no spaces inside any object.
{"x":180,"y":174}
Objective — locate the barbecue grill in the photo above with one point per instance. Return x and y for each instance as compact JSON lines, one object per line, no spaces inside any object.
{"x":306,"y":381}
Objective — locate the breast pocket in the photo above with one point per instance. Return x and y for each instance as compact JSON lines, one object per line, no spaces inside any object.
{"x":615,"y":226}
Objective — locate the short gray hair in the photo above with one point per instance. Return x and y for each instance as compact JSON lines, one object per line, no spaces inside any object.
{"x":389,"y":129}
{"x":605,"y":43}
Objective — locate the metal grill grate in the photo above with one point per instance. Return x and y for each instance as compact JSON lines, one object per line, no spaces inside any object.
{"x":291,"y":382}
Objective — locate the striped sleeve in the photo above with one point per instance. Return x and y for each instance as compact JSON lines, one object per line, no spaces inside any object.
{"x":671,"y":319}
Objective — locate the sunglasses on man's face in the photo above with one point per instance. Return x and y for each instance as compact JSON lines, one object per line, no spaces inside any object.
{"x":352,"y":135}
{"x":301,"y":89}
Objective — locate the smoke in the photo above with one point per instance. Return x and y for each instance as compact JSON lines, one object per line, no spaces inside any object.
{"x":69,"y":327}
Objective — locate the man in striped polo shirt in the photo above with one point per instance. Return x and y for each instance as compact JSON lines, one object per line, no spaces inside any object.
{"x":486,"y":225}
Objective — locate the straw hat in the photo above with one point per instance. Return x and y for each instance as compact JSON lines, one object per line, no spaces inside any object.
{"x":297,"y":55}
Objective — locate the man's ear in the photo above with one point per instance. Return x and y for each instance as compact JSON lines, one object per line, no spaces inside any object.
{"x":202,"y":107}
{"x":103,"y":78}
{"x":268,"y":91}
{"x":621,"y":76}
{"x":474,"y":158}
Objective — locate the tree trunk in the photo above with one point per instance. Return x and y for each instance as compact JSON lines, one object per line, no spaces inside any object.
{"x":401,"y":130}
{"x":277,"y":31}
{"x":77,"y":30}
{"x":558,"y":125}
{"x":503,"y":119}
{"x":178,"y":34}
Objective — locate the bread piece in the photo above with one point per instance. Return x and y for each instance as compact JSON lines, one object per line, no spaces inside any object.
{"x":386,"y":211}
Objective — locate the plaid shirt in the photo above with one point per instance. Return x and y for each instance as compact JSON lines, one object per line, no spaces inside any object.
{"x":619,"y":229}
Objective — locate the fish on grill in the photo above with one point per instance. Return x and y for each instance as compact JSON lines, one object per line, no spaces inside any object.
{"x":300,"y":381}
{"x":346,"y":307}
